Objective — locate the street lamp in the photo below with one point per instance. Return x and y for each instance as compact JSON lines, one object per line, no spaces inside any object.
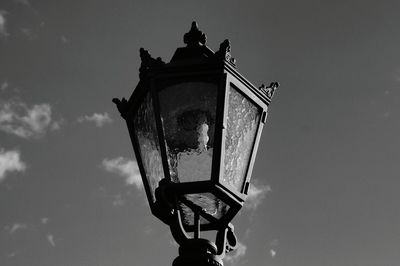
{"x":195,"y":124}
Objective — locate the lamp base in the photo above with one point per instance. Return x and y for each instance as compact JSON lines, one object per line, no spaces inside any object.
{"x":198,"y":252}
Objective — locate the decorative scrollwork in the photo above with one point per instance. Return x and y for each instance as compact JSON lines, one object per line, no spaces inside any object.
{"x":194,"y":37}
{"x":224,"y":52}
{"x":226,"y":240}
{"x":122,"y":105}
{"x":270,"y":90}
{"x":148,"y":61}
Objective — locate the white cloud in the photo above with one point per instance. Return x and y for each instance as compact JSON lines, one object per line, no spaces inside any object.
{"x":50,"y":238}
{"x":10,"y":162}
{"x":98,"y":119}
{"x":17,"y":226}
{"x":3,"y":22}
{"x":236,"y":255}
{"x":25,"y":121}
{"x":272,"y":252}
{"x":256,"y":195}
{"x":4,"y":86}
{"x":126,"y":168}
{"x":274,"y":244}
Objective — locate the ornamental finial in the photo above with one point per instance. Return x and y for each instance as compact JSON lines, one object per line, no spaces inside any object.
{"x":224,"y":52}
{"x":194,"y":37}
{"x":148,"y":61}
{"x":269,"y":91}
{"x":122,"y":105}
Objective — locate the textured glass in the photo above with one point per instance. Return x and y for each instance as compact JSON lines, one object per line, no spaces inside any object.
{"x":146,"y":132}
{"x":242,"y":122}
{"x":188,"y":119}
{"x":207,"y":202}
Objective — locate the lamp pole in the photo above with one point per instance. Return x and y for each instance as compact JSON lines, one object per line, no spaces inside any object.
{"x":195,"y":124}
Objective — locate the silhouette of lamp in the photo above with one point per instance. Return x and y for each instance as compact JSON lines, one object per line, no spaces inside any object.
{"x":195,"y":124}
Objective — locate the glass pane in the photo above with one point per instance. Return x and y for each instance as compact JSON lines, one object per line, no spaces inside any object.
{"x":206,"y":201}
{"x":187,"y":215}
{"x":188,"y":118}
{"x":242,"y":122}
{"x":146,"y":132}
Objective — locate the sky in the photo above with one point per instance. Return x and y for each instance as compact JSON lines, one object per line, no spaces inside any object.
{"x":326,"y":177}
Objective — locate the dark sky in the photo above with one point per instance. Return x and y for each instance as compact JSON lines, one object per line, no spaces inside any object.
{"x":326,"y":177}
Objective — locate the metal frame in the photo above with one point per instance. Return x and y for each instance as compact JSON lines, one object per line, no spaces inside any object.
{"x":212,"y":71}
{"x":166,"y":78}
{"x":223,"y":74}
{"x":247,"y":90}
{"x":134,"y":103}
{"x":195,"y":62}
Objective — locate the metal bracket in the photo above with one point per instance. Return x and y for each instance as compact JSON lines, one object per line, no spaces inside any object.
{"x":225,"y":241}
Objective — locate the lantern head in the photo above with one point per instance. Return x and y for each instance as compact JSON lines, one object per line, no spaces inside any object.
{"x":195,"y":124}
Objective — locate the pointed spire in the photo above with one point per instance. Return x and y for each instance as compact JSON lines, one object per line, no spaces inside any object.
{"x":194,"y":37}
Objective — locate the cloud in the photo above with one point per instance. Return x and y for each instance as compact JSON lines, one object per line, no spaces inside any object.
{"x":3,"y":21}
{"x":10,"y":162}
{"x":126,"y":168}
{"x":17,"y":226}
{"x":256,"y":195}
{"x":25,"y":121}
{"x":274,"y":244}
{"x":50,"y":238}
{"x":272,"y":253}
{"x":98,"y":119}
{"x":237,"y":254}
{"x":44,"y":220}
{"x":4,"y":86}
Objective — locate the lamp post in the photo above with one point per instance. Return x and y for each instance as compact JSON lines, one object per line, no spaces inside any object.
{"x":195,"y":124}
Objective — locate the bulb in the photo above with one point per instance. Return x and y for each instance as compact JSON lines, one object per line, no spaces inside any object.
{"x":202,"y":131}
